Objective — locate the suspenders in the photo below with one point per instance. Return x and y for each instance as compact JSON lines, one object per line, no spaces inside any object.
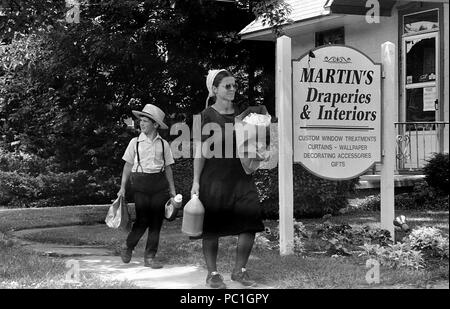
{"x":139,"y":159}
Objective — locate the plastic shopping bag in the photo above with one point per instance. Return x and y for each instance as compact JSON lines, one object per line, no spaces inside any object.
{"x":253,"y":137}
{"x":118,"y":215}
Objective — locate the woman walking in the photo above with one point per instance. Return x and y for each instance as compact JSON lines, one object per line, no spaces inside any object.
{"x":228,"y":194}
{"x":148,"y":161}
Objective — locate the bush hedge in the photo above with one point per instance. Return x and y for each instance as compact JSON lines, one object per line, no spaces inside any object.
{"x":421,"y":197}
{"x":431,"y":194}
{"x":26,"y":163}
{"x":34,"y":186}
{"x":313,"y":196}
{"x":57,"y":189}
{"x":437,"y":172}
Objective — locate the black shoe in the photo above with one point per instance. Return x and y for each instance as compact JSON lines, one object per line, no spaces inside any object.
{"x":243,"y":278}
{"x":215,"y":281}
{"x":152,"y":263}
{"x":125,"y":254}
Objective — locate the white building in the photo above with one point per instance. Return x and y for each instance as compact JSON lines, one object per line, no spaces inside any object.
{"x":420,"y":31}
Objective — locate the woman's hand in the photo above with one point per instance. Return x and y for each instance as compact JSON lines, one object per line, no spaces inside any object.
{"x":195,"y":189}
{"x":121,"y":192}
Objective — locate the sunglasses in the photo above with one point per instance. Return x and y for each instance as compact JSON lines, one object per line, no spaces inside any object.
{"x":228,"y":86}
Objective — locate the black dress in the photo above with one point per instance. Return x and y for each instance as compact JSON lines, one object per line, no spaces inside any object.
{"x":228,"y":194}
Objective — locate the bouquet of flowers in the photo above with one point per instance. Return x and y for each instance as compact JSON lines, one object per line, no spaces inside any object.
{"x":252,"y":129}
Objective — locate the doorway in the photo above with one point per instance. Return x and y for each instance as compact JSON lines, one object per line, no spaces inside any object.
{"x":419,"y":130}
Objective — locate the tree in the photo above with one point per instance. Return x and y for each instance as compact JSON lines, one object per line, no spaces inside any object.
{"x":65,"y":88}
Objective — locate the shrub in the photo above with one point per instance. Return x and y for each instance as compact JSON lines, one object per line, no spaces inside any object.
{"x":26,"y":163}
{"x":429,"y":239}
{"x":183,"y":176}
{"x":40,"y":187}
{"x":313,"y":196}
{"x":18,"y":190}
{"x":353,"y":236}
{"x":57,"y":189}
{"x":437,"y":172}
{"x":395,"y":256}
{"x":427,"y":197}
{"x":270,"y":239}
{"x":422,"y":198}
{"x":343,"y":239}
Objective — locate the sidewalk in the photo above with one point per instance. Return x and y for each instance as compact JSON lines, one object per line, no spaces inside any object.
{"x":169,"y":277}
{"x":106,"y":266}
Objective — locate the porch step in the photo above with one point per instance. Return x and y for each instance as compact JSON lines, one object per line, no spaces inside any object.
{"x":373,"y":181}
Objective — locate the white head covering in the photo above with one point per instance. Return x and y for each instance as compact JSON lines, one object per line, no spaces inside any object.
{"x":209,"y":83}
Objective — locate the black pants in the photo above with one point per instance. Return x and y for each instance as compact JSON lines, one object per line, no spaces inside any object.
{"x":149,"y":214}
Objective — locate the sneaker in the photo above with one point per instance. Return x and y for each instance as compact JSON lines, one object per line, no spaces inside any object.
{"x":243,"y":278}
{"x":125,"y":254}
{"x":215,"y":280}
{"x":152,"y":263}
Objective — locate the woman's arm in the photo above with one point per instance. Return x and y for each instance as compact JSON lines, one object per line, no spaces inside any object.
{"x":125,"y":175}
{"x":169,"y":176}
{"x":199,"y":162}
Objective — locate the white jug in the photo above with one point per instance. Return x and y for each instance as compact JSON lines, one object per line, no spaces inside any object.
{"x":193,"y":215}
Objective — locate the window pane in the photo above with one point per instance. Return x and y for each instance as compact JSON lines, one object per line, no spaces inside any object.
{"x":333,"y":36}
{"x":421,"y":22}
{"x":420,"y":60}
{"x":415,"y":109}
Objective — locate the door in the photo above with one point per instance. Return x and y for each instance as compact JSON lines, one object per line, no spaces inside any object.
{"x":420,"y":97}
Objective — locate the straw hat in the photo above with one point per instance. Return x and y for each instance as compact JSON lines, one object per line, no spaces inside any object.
{"x":154,"y":113}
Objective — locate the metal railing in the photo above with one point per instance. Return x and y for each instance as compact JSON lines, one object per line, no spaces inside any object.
{"x":417,"y":141}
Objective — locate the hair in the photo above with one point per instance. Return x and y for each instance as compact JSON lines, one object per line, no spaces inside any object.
{"x":221,"y":75}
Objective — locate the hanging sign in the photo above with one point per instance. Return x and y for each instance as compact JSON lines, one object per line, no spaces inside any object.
{"x":336,"y":112}
{"x":429,"y":99}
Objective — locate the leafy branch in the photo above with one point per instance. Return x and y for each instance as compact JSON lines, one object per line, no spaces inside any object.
{"x":274,"y":13}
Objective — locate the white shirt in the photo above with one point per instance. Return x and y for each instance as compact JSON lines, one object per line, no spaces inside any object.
{"x":150,"y":153}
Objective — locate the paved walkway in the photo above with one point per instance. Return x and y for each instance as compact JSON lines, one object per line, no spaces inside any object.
{"x":169,"y":277}
{"x":102,"y":263}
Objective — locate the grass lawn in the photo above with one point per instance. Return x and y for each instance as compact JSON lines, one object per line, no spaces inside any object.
{"x":21,"y":268}
{"x":314,"y":269}
{"x":20,"y":219}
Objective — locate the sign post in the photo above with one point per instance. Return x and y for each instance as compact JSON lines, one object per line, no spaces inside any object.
{"x":285,"y":171}
{"x":388,"y":166}
{"x":334,"y":122}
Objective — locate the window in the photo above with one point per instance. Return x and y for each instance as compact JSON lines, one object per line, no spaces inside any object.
{"x":420,"y":60}
{"x":421,"y":22}
{"x":332,"y":36}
